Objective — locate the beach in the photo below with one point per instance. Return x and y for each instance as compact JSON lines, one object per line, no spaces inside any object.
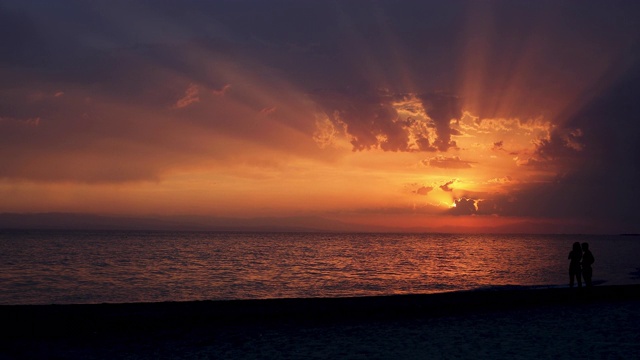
{"x":511,"y":322}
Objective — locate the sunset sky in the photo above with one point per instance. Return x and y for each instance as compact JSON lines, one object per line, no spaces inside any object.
{"x":463,"y":115}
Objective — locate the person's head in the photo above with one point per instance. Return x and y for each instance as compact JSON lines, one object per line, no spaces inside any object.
{"x":585,"y":246}
{"x":576,"y":246}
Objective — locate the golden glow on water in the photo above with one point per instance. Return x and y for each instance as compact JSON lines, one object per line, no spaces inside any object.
{"x":95,"y":267}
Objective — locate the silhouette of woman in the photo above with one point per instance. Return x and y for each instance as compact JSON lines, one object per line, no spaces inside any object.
{"x":587,"y":260}
{"x":574,"y":266}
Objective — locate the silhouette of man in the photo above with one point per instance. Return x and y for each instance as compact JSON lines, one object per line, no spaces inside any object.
{"x":574,"y":266}
{"x":587,"y":260}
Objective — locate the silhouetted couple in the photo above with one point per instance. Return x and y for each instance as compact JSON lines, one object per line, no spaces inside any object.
{"x":580,"y":265}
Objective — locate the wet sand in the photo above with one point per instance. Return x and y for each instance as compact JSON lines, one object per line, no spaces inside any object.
{"x":514,"y":323}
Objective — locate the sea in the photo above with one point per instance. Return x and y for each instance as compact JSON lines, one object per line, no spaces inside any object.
{"x":88,"y":267}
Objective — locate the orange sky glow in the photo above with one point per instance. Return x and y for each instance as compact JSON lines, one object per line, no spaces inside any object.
{"x":484,"y":142}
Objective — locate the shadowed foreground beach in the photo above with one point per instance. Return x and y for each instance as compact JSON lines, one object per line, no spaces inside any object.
{"x":509,"y":323}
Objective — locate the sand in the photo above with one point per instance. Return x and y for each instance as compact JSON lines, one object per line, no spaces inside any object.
{"x":510,"y":323}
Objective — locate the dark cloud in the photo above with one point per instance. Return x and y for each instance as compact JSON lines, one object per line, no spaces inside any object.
{"x":596,"y":155}
{"x":488,"y":207}
{"x":563,"y":143}
{"x":372,"y":121}
{"x":499,"y":146}
{"x":464,"y":206}
{"x":368,"y":117}
{"x":447,"y":186}
{"x":442,"y":108}
{"x":424,"y":190}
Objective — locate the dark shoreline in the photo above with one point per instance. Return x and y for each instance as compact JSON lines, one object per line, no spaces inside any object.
{"x":59,"y":321}
{"x":501,"y":323}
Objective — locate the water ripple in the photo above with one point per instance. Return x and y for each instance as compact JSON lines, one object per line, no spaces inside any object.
{"x":94,"y":267}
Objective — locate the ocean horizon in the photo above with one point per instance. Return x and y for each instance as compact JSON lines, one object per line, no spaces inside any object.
{"x":86,"y":267}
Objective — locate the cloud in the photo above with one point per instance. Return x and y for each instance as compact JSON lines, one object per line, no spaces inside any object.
{"x":442,"y":108}
{"x":95,"y":134}
{"x":464,"y":206}
{"x":191,"y":96}
{"x":562,"y":148}
{"x":424,"y":190}
{"x":488,"y":207}
{"x":501,"y":180}
{"x":268,"y":110}
{"x":222,"y":91}
{"x":325,"y":133}
{"x":418,"y":189}
{"x":562,"y":143}
{"x":447,"y":186}
{"x":368,"y":117}
{"x":443,"y":162}
{"x":379,"y":119}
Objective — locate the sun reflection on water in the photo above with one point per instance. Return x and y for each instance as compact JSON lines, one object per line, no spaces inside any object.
{"x":81,"y":267}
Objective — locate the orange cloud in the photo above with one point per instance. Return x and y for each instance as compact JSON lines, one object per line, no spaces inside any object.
{"x":443,"y":162}
{"x":191,"y":96}
{"x":403,"y":122}
{"x":222,"y":91}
